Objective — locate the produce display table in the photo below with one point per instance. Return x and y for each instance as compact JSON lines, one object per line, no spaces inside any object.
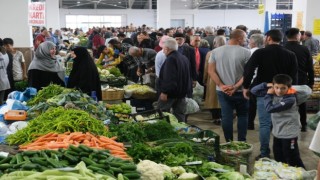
{"x":69,"y":130}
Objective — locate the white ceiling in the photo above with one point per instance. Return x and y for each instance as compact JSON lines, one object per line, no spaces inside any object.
{"x":176,"y":4}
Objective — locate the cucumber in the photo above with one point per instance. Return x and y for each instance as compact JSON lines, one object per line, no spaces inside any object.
{"x":75,"y":149}
{"x":115,"y":164}
{"x":5,"y":166}
{"x":116,"y":170}
{"x":26,"y":158}
{"x":19,"y":158}
{"x":128,"y":167}
{"x":132,"y":175}
{"x":29,"y":153}
{"x":84,"y":154}
{"x":88,"y":161}
{"x":39,"y":161}
{"x":94,"y":168}
{"x":70,"y":158}
{"x":6,"y":160}
{"x":13,"y":160}
{"x":85,"y":148}
{"x":103,"y":166}
{"x":29,"y":166}
{"x":54,"y":163}
{"x":71,"y":153}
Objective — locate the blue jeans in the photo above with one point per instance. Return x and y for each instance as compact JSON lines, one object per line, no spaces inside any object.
{"x":228,"y":104}
{"x":264,"y":127}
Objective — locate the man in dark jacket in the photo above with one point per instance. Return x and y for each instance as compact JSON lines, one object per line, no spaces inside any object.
{"x":271,"y":60}
{"x":305,"y":68}
{"x":188,"y":52}
{"x":174,"y":80}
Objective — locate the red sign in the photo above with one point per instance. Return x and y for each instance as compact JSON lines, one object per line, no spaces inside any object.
{"x":37,"y":12}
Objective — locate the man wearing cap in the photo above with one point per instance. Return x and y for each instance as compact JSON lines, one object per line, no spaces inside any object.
{"x":189,"y":52}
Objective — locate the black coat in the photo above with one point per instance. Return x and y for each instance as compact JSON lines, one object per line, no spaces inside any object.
{"x":270,"y":61}
{"x":174,"y":78}
{"x":84,"y":74}
{"x":189,"y":52}
{"x":305,"y":63}
{"x":39,"y":79}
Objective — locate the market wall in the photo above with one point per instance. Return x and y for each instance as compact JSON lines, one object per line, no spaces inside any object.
{"x":192,"y":18}
{"x":135,"y":16}
{"x":312,"y":15}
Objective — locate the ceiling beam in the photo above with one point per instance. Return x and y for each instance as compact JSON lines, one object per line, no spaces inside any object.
{"x":197,"y":3}
{"x":131,"y":2}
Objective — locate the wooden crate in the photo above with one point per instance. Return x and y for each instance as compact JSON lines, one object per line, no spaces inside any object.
{"x":112,"y":94}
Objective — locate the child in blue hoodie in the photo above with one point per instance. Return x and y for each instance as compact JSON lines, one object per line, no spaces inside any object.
{"x":280,"y":100}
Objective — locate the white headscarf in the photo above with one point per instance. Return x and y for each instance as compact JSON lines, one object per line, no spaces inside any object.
{"x":44,"y":62}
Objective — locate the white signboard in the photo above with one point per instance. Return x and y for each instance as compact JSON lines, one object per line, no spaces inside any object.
{"x":37,"y":12}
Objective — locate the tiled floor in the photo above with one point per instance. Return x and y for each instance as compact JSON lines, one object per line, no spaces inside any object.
{"x":203,"y":120}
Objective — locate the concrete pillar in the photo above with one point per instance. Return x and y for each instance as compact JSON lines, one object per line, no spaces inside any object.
{"x":16,"y":26}
{"x":312,"y":13}
{"x":164,"y":13}
{"x":52,"y":14}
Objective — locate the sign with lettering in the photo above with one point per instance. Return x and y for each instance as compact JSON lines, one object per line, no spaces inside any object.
{"x":37,"y":12}
{"x":316,"y":27}
{"x":261,"y":9}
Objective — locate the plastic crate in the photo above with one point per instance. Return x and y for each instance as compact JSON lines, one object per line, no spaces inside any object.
{"x":142,"y":104}
{"x":158,"y":115}
{"x":206,"y":137}
{"x":313,"y":105}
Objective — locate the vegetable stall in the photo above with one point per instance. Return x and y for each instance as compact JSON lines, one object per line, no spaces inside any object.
{"x":71,"y":136}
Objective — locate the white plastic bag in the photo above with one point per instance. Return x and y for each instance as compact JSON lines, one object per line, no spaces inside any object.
{"x":303,"y":93}
{"x":191,"y":106}
{"x":197,"y":94}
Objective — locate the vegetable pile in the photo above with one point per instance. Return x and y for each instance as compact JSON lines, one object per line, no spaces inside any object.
{"x":99,"y":161}
{"x":58,"y":120}
{"x":120,"y":108}
{"x":54,"y":141}
{"x":172,"y":152}
{"x":70,"y":99}
{"x":235,"y":146}
{"x":46,"y":93}
{"x":143,"y":132}
{"x":80,"y":172}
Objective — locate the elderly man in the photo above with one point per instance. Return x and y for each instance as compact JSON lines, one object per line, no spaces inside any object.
{"x":174,"y":80}
{"x":189,"y":52}
{"x":256,"y":41}
{"x":311,"y":43}
{"x":209,"y":35}
{"x":145,"y":57}
{"x":225,"y":69}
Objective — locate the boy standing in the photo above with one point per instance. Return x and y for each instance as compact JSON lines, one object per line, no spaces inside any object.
{"x":280,"y":100}
{"x":18,"y":64}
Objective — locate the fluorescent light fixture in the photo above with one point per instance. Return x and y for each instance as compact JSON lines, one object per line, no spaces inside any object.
{"x":78,"y":2}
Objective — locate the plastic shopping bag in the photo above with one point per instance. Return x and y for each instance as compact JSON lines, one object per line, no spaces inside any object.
{"x":191,"y":106}
{"x":198,"y":93}
{"x":303,"y":93}
{"x":313,"y":121}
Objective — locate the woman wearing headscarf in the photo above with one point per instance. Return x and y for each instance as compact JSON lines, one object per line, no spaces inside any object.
{"x":44,"y":68}
{"x":84,"y":74}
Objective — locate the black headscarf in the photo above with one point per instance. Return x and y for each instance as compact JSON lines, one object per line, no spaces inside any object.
{"x":84,"y":74}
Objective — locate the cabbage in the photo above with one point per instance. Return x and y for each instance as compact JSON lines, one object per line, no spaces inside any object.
{"x":231,"y":176}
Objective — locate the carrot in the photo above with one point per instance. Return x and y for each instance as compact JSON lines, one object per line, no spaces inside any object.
{"x":114,"y":138}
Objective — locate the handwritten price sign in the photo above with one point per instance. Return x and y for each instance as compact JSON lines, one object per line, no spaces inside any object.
{"x":37,"y":11}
